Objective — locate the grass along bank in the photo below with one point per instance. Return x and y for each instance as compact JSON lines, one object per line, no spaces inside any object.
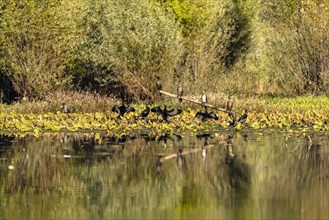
{"x":302,"y":114}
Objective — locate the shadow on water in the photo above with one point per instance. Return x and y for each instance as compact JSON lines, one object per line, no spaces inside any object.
{"x":223,"y":175}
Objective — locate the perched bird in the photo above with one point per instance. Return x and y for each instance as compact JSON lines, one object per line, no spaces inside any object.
{"x":145,"y":112}
{"x":65,"y":108}
{"x":121,"y":110}
{"x":158,"y":84}
{"x":164,"y":113}
{"x":180,"y":92}
{"x":244,"y":117}
{"x":229,"y":104}
{"x":233,"y":116}
{"x":204,"y":99}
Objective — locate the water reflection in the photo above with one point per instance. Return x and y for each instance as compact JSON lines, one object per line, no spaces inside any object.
{"x":224,"y":175}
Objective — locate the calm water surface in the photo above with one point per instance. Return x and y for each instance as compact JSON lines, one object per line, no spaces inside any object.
{"x":221,"y":176}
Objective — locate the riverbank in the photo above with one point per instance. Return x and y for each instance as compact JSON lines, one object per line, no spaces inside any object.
{"x":300,"y":114}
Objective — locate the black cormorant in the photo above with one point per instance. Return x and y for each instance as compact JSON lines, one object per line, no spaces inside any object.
{"x":244,"y":117}
{"x":165,"y":113}
{"x":158,"y":84}
{"x":145,"y":112}
{"x":121,"y":110}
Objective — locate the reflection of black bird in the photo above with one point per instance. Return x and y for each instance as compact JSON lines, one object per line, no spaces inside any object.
{"x":245,"y":137}
{"x":180,"y":92}
{"x":177,"y":137}
{"x":145,"y":112}
{"x":204,"y":135}
{"x":180,"y":158}
{"x":164,"y":138}
{"x":244,"y":117}
{"x":159,"y":164}
{"x":165,"y":113}
{"x":158,"y":84}
{"x":229,"y":139}
{"x":147,"y":137}
{"x":121,"y":110}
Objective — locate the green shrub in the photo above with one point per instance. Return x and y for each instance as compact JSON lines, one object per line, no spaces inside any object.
{"x":127,"y":43}
{"x":36,"y":38}
{"x":299,"y":47}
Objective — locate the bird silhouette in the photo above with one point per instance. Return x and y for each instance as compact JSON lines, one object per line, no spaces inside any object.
{"x":145,"y":112}
{"x":229,"y":104}
{"x":204,"y":99}
{"x":204,"y":116}
{"x":121,"y":110}
{"x":158,"y":164}
{"x":180,"y":92}
{"x":158,"y":84}
{"x":65,"y":108}
{"x":212,"y":115}
{"x":244,"y":117}
{"x":233,"y":116}
{"x":164,"y":113}
{"x":180,"y":159}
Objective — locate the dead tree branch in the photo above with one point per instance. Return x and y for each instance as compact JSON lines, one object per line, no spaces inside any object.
{"x":196,"y":102}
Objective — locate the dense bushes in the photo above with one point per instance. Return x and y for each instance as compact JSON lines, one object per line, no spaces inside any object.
{"x":126,"y":44}
{"x":118,"y":47}
{"x":36,"y":40}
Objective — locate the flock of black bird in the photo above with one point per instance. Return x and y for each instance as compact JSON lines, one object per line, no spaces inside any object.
{"x":164,"y":113}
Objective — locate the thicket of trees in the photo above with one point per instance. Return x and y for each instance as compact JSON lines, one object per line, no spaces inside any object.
{"x":232,"y":46}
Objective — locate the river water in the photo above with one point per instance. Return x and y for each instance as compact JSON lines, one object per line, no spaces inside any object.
{"x":226,"y":175}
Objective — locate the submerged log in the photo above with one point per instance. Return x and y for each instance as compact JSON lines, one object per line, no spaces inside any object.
{"x":191,"y":151}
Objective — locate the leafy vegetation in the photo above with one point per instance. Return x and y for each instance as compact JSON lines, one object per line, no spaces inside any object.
{"x":307,"y":114}
{"x":117,"y":48}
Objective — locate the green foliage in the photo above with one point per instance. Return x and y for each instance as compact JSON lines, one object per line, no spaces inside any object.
{"x":35,"y":42}
{"x":128,"y":42}
{"x":192,"y":15}
{"x":299,"y":46}
{"x":217,"y":46}
{"x":243,"y":47}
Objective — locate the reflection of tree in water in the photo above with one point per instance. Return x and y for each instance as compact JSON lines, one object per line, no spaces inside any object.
{"x":236,"y":176}
{"x":298,"y":181}
{"x":226,"y":182}
{"x":117,"y":176}
{"x":311,"y":163}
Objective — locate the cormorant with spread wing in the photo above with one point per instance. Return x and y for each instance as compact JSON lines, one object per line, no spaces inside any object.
{"x":164,"y":113}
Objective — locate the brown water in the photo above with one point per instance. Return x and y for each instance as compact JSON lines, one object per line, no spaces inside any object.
{"x":224,"y":176}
